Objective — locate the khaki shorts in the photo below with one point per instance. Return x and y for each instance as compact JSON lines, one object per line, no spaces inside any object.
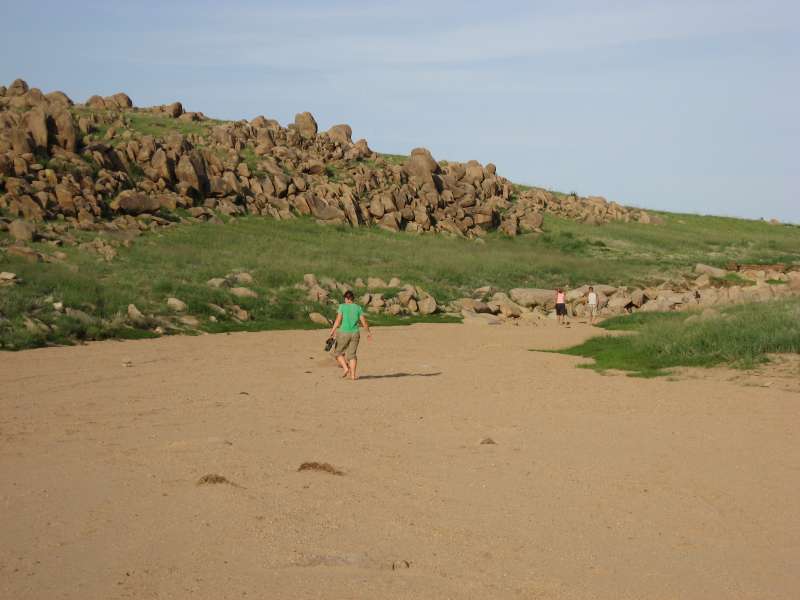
{"x":347,"y":344}
{"x":592,"y":309}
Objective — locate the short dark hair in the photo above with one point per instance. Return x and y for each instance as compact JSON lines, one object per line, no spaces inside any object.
{"x":348,"y":295}
{"x":591,"y":288}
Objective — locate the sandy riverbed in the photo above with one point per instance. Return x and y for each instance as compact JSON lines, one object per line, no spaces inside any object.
{"x":601,"y":487}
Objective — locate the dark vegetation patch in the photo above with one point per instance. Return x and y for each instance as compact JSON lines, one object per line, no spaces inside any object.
{"x":320,"y":467}
{"x":214,"y":479}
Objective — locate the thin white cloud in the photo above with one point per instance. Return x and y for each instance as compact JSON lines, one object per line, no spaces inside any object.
{"x":385,"y":35}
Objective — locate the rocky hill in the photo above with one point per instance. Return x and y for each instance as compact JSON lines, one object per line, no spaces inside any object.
{"x":106,"y":164}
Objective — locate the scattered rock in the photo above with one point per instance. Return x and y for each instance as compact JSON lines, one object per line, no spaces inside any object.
{"x":176,"y":305}
{"x":190,"y":321}
{"x":709,"y":270}
{"x":217,"y":282}
{"x":7,"y":278}
{"x":376,"y":283}
{"x":318,"y":318}
{"x":243,"y":292}
{"x":25,"y":252}
{"x":427,"y":305}
{"x":21,"y":231}
{"x":242,"y":278}
{"x":134,"y":315}
{"x":530,"y":297}
{"x":238,"y":313}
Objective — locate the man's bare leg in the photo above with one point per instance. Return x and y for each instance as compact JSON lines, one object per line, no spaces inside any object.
{"x":343,"y":363}
{"x":353,"y":364}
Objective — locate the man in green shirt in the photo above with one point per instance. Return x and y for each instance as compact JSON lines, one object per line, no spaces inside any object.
{"x":348,"y":318}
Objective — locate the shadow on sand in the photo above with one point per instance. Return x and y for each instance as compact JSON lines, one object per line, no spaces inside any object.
{"x":392,"y":375}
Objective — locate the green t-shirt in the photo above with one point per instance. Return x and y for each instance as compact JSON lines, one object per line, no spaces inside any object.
{"x":350,"y":315}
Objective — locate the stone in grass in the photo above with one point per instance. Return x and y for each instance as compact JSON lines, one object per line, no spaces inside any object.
{"x":216,"y":282}
{"x":190,"y":321}
{"x":243,"y":292}
{"x":376,"y":283}
{"x":217,"y":309}
{"x":242,"y":278}
{"x":237,"y":312}
{"x":176,"y":305}
{"x":427,"y":306}
{"x":21,"y":231}
{"x":134,"y":314}
{"x":318,"y":318}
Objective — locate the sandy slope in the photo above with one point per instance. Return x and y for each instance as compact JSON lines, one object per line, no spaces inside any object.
{"x":598,"y":487}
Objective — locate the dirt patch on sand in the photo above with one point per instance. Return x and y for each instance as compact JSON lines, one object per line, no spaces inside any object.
{"x":599,"y":487}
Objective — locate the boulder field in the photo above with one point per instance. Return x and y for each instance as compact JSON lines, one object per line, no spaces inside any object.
{"x":108,"y":165}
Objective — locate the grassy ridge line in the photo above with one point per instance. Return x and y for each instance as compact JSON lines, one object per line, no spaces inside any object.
{"x":741,"y":336}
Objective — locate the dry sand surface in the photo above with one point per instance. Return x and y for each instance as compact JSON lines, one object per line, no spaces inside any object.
{"x":598,"y":487}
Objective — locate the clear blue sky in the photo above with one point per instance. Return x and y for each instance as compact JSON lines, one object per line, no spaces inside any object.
{"x":681,"y":105}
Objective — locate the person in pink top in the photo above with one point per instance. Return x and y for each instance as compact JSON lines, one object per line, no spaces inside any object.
{"x":561,"y":307}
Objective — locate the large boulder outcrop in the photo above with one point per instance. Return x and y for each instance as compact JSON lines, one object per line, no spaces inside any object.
{"x":73,"y":167}
{"x":19,"y":87}
{"x":421,"y":163}
{"x":306,"y":125}
{"x":341,"y":133}
{"x":136,"y":203}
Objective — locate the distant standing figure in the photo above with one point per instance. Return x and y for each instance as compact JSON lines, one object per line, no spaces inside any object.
{"x":591,"y":302}
{"x":561,"y":307}
{"x":347,"y":320}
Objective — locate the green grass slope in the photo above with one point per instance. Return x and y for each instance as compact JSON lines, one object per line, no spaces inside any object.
{"x":178,"y":262}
